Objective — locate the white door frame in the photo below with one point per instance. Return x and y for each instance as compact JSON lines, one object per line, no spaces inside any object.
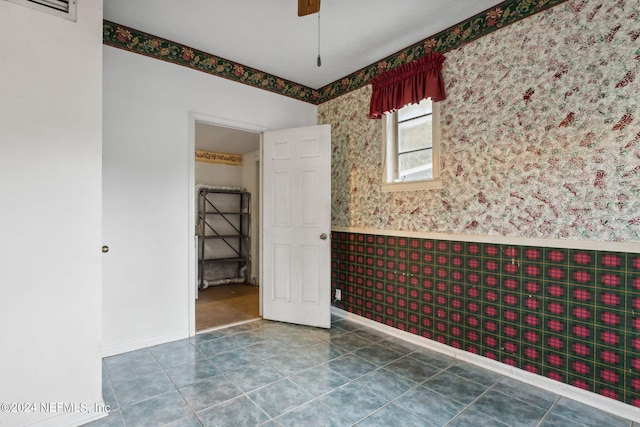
{"x":191,"y":158}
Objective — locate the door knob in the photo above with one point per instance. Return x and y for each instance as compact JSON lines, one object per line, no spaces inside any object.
{"x":105,"y":249}
{"x":323,"y":236}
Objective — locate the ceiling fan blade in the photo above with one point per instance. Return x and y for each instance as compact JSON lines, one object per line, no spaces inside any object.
{"x":307,"y":7}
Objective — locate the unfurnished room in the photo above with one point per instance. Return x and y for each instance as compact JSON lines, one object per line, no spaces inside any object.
{"x":327,"y":213}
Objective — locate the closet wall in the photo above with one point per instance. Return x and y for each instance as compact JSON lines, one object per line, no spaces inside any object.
{"x":244,"y":176}
{"x":220,"y":175}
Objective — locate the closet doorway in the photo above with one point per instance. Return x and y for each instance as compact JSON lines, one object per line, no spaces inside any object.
{"x":227,"y":184}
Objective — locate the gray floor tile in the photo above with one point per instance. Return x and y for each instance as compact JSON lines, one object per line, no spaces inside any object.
{"x":455,"y":387}
{"x":401,"y":345}
{"x":350,"y":342}
{"x":527,"y":393}
{"x":259,"y":334}
{"x":142,"y":387}
{"x":353,"y":402}
{"x":510,"y":411}
{"x":176,"y":353}
{"x":237,"y":412}
{"x":267,"y":349}
{"x":585,"y":414}
{"x":108,"y":395}
{"x":227,"y":343}
{"x":334,"y":331}
{"x":254,"y":376}
{"x":351,"y":366}
{"x":475,"y":373}
{"x":128,"y":366}
{"x":554,"y":420}
{"x":371,"y":334}
{"x":188,"y":421}
{"x":319,"y":380}
{"x":114,"y":419}
{"x":209,"y":392}
{"x":313,"y":414}
{"x":233,"y":359}
{"x":317,"y":377}
{"x":289,"y":364}
{"x":392,"y":415}
{"x":378,"y":354}
{"x":317,"y":333}
{"x":157,"y":411}
{"x":248,"y":326}
{"x":385,"y":384}
{"x":170,"y":346}
{"x":412,"y":369}
{"x":298,"y":340}
{"x":208,"y":336}
{"x":427,"y":405}
{"x":280,"y":397}
{"x":475,"y":418}
{"x":323,"y":352}
{"x":346,"y":325}
{"x":278,"y":329}
{"x":190,"y":373}
{"x":433,"y":358}
{"x":131,"y":358}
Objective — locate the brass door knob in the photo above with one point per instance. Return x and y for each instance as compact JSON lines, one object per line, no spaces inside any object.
{"x":105,"y":249}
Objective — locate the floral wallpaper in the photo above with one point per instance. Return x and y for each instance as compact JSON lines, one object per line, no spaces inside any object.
{"x":540,"y":135}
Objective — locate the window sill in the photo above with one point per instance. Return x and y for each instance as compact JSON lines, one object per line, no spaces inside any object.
{"x":430,"y":184}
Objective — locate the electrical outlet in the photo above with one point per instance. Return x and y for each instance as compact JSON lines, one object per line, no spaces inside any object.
{"x":338,"y":294}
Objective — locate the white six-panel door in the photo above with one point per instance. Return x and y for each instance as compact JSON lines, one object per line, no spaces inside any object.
{"x":296,"y":246}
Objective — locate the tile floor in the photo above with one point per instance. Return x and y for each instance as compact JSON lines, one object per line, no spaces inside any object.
{"x":275,"y":374}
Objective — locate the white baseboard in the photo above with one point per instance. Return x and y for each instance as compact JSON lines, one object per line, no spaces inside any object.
{"x":81,"y":416}
{"x":119,"y":348}
{"x":592,"y":399}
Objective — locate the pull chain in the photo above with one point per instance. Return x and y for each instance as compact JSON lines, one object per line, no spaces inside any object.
{"x":319,"y":61}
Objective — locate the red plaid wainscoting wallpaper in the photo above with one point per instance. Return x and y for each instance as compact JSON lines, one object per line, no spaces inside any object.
{"x":570,"y":315}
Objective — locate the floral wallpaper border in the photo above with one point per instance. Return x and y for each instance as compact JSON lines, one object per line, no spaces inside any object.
{"x":486,"y":22}
{"x":223,"y":158}
{"x":505,"y":13}
{"x":139,"y":42}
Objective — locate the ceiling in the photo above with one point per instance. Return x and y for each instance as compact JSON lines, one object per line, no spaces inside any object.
{"x":269,"y":36}
{"x":225,"y":140}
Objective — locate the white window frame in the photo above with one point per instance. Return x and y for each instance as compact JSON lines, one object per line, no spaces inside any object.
{"x":62,"y":8}
{"x":390,"y":181}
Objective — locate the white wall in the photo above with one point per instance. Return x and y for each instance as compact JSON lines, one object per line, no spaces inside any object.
{"x":147,"y":107}
{"x":218,"y":174}
{"x":50,"y":220}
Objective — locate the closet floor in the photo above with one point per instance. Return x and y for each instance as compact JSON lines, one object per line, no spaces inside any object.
{"x":225,"y":304}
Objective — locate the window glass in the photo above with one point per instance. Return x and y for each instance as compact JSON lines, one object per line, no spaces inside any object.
{"x":415,"y":134}
{"x":411,"y":148}
{"x":414,"y":110}
{"x":415,"y":165}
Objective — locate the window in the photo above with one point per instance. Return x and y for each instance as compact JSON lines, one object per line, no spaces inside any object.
{"x":411,"y":147}
{"x":63,"y":8}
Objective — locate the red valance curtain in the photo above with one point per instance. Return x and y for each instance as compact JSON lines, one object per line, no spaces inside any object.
{"x":408,"y":84}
